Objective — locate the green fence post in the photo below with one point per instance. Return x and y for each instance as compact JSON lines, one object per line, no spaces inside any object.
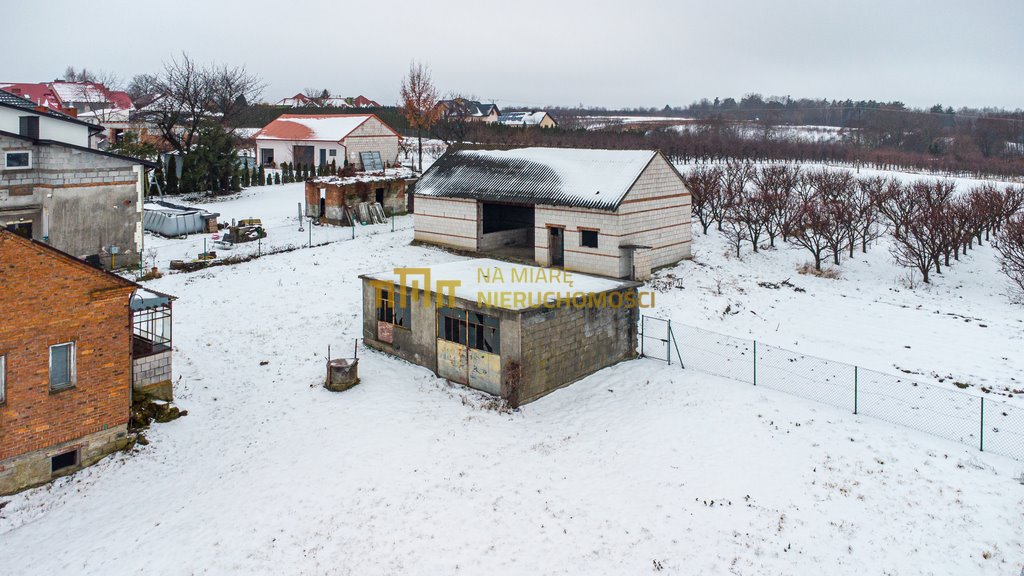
{"x":392,"y":220}
{"x":353,"y":229}
{"x":982,"y":445}
{"x":755,"y":362}
{"x":855,"y":382}
{"x":259,"y":246}
{"x":668,"y":341}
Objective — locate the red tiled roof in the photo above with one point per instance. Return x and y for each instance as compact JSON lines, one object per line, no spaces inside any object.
{"x":318,"y":127}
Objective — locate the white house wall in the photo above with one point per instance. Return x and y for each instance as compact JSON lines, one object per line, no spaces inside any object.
{"x":283,"y":150}
{"x":49,"y":128}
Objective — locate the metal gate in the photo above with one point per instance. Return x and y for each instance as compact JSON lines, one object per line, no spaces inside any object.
{"x":657,"y":340}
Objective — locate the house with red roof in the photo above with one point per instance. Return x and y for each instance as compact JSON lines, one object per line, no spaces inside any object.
{"x":70,"y":97}
{"x":360,"y":140}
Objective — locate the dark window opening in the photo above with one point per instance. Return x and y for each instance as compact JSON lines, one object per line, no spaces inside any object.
{"x":394,"y":308}
{"x":379,"y":196}
{"x":18,"y":160}
{"x":66,"y":460}
{"x":23,"y":229}
{"x":267,"y":156}
{"x":483,"y":332}
{"x":28,"y":126}
{"x":451,"y":325}
{"x":588,"y":238}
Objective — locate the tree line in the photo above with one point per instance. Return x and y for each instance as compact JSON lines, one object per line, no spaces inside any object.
{"x":833,"y":213}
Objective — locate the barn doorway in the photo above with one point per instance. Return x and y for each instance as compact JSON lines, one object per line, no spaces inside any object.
{"x":556,"y":246}
{"x":507,"y":230}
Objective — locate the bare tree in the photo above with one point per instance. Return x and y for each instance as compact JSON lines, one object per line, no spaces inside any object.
{"x":1009,"y":242}
{"x":775,"y":185}
{"x":419,"y":102}
{"x":187,"y":94}
{"x":705,"y":185}
{"x":319,"y":96}
{"x":456,"y":118}
{"x":808,"y":225}
{"x":107,"y":78}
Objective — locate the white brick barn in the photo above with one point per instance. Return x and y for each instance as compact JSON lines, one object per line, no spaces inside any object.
{"x":322,"y":138}
{"x":617,"y":213}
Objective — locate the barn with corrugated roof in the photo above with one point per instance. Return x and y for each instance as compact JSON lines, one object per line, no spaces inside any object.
{"x":617,"y":213}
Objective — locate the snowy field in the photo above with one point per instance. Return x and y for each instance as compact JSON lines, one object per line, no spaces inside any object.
{"x":640,"y":468}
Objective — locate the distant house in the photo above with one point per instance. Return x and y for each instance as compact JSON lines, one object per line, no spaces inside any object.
{"x":617,"y":213}
{"x":55,"y":188}
{"x":361,"y":140}
{"x":75,"y":343}
{"x":540,"y":119}
{"x":302,"y":101}
{"x":470,"y":110}
{"x":67,"y":96}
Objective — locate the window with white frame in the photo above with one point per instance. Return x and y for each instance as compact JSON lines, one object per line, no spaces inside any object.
{"x":17,"y":159}
{"x":62,"y":366}
{"x":3,"y":379}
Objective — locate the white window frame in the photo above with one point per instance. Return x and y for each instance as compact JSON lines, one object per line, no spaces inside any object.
{"x":72,"y":369}
{"x":3,"y":379}
{"x":9,"y":152}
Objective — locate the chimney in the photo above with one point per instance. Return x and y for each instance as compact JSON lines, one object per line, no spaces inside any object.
{"x":16,"y":91}
{"x":42,"y":109}
{"x":71,"y":111}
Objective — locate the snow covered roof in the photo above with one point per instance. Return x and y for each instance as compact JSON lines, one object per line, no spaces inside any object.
{"x":523,"y":118}
{"x":388,"y":174}
{"x":319,"y":127}
{"x":557,"y":176}
{"x":482,"y":280}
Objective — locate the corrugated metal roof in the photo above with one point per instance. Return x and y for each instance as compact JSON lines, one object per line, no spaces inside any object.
{"x":557,"y":176}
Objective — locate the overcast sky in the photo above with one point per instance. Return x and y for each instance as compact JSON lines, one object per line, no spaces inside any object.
{"x":624,"y":53}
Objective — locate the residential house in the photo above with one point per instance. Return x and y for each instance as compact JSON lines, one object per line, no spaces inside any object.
{"x":617,"y":213}
{"x":360,"y":140}
{"x":515,"y":331}
{"x":539,"y":119}
{"x":302,"y":101}
{"x":55,"y":188}
{"x":74,"y":344}
{"x":471,"y":110}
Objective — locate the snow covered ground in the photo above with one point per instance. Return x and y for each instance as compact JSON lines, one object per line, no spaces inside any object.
{"x":640,"y":468}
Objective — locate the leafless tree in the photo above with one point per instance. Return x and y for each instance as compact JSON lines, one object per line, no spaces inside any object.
{"x":419,"y":102}
{"x":809,"y":224}
{"x":1009,"y":242}
{"x":107,"y":78}
{"x":775,"y":185}
{"x":231,"y":90}
{"x":456,"y":118}
{"x":705,"y":185}
{"x":319,"y":96}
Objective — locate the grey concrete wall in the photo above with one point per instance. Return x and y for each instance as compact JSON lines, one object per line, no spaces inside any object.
{"x":417,"y":343}
{"x":561,"y":345}
{"x":517,"y":237}
{"x":32,"y":469}
{"x":153,"y":375}
{"x":91,"y":201}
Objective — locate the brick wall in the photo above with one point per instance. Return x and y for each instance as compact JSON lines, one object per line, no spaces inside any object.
{"x":372,"y":136}
{"x":338,"y":195}
{"x":656,"y":213}
{"x":54,"y":301}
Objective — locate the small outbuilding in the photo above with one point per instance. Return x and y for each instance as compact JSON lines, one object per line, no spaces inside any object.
{"x":512,"y":330}
{"x":617,"y":213}
{"x":337,"y":199}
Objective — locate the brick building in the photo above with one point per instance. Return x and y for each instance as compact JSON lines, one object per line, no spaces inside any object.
{"x":617,"y":213}
{"x":334,"y":199}
{"x":515,"y":331}
{"x":66,"y":356}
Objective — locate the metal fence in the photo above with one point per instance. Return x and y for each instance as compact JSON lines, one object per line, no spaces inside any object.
{"x":280,"y":238}
{"x":984,"y":423}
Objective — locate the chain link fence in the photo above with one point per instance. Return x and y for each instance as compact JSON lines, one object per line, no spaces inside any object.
{"x":984,"y":423}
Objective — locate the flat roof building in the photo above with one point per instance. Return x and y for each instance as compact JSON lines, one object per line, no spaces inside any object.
{"x":512,"y":330}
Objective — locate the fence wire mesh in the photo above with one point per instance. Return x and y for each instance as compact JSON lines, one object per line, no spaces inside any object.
{"x":983,"y":423}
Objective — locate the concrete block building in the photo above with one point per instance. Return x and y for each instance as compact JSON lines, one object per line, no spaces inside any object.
{"x":616,"y":213}
{"x":68,"y":344}
{"x":55,"y":188}
{"x":516,"y":331}
{"x":362,"y":140}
